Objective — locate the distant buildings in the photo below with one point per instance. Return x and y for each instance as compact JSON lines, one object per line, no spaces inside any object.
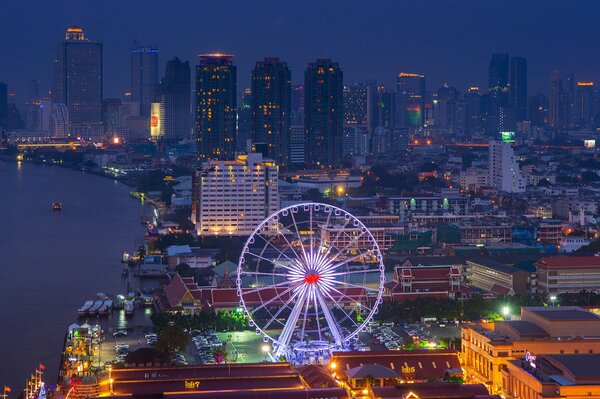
{"x":503,"y":167}
{"x":518,"y":87}
{"x":411,"y":99}
{"x":324,"y":113}
{"x":3,"y":104}
{"x":584,"y":104}
{"x":272,"y":108}
{"x":562,"y":274}
{"x":78,"y":82}
{"x":234,"y":197}
{"x":355,"y":104}
{"x":216,"y":107}
{"x":171,"y":119}
{"x":144,"y":76}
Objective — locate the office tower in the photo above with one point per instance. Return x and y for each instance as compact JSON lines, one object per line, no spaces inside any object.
{"x":569,"y":99}
{"x":216,"y":106}
{"x":234,"y":197}
{"x":144,"y":76}
{"x":175,"y":94}
{"x":381,"y":107}
{"x":584,"y":104}
{"x":498,"y":80}
{"x":244,"y":115}
{"x":445,"y":109}
{"x":498,"y":71}
{"x":356,"y":140}
{"x":411,"y":99}
{"x":355,"y":105}
{"x":298,"y":105}
{"x":78,"y":82}
{"x":297,"y":145}
{"x":32,"y":104}
{"x":538,"y":110}
{"x":3,"y":104}
{"x":556,"y":117}
{"x":503,"y":168}
{"x":53,"y":119}
{"x":473,"y":100}
{"x":518,"y":87}
{"x":113,"y":117}
{"x":272,"y":108}
{"x":324,"y":113}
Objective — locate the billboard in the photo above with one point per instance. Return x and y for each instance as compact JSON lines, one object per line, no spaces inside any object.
{"x":155,"y":121}
{"x":507,"y":137}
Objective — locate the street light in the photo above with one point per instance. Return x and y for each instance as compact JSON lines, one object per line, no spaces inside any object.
{"x":505,"y":311}
{"x":266,"y":348}
{"x":552,"y":299}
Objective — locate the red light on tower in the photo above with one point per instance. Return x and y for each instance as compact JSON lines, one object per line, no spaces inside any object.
{"x":116,"y":140}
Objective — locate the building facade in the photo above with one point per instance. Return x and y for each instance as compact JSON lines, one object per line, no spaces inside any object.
{"x":216,"y":107}
{"x":144,"y":76}
{"x":78,"y":82}
{"x":272,"y":108}
{"x":503,"y":167}
{"x":174,"y":111}
{"x":234,"y":197}
{"x":323,"y":113}
{"x":568,"y":274}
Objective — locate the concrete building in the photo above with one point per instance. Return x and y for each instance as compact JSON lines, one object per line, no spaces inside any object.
{"x":234,"y":197}
{"x":488,"y":348}
{"x":504,"y":168}
{"x":560,"y":274}
{"x":497,"y":278}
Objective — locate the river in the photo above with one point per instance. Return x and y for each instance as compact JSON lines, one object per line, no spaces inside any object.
{"x":51,"y":262}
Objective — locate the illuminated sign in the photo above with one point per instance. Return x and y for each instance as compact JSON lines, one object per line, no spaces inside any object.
{"x":407,"y":369}
{"x":589,"y":143}
{"x":507,"y":137}
{"x":530,"y":358}
{"x":190,"y":384}
{"x":155,"y":116}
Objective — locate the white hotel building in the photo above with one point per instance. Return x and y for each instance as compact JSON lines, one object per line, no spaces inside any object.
{"x":234,"y":197}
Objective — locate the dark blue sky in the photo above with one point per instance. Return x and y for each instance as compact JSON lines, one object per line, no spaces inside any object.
{"x":449,"y":41}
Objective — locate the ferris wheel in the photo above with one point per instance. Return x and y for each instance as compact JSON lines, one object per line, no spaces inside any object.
{"x":311,"y":275}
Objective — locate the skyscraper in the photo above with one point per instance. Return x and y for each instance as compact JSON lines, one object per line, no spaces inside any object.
{"x":272,"y":108}
{"x":355,"y":105}
{"x":216,"y":103}
{"x":144,"y":76}
{"x":584,"y":104}
{"x":176,"y":121}
{"x":3,"y":104}
{"x":556,"y":108}
{"x":518,"y":87}
{"x":498,"y":80}
{"x":411,"y":99}
{"x":324,"y":113}
{"x":78,"y":82}
{"x":498,"y":71}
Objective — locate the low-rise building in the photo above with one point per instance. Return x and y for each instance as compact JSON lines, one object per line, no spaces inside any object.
{"x":497,"y":278}
{"x":560,"y":274}
{"x":487,"y":348}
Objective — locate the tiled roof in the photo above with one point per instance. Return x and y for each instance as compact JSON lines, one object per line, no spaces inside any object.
{"x":434,"y":391}
{"x":569,"y":261}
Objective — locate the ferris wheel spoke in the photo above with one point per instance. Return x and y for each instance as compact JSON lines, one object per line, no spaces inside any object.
{"x":274,"y":247}
{"x":290,"y":325}
{"x":302,"y":334}
{"x":326,"y":226}
{"x":298,"y":234}
{"x":269,"y":260}
{"x":342,"y":263}
{"x":317,"y":317}
{"x":336,"y":238}
{"x":336,"y":303}
{"x":281,"y":309}
{"x":264,"y":304}
{"x":352,"y":300}
{"x":266,"y":287}
{"x":329,"y":318}
{"x":355,"y":239}
{"x":364,"y":287}
{"x":253,"y":273}
{"x":296,"y":254}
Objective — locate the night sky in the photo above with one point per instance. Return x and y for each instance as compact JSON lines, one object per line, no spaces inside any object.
{"x":449,"y":41}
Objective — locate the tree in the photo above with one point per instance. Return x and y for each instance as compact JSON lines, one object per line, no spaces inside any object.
{"x":184,"y":270}
{"x":173,"y":338}
{"x":589,"y":177}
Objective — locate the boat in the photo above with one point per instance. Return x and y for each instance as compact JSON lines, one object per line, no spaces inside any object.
{"x":129,"y":308}
{"x":105,"y":308}
{"x":94,"y":309}
{"x":85,"y":308}
{"x":56,"y":206}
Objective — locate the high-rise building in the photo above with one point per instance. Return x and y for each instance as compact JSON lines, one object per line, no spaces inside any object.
{"x":53,"y":119}
{"x":297,"y":145}
{"x":32,"y":104}
{"x":584,"y":104}
{"x":272,"y":108}
{"x":503,"y":168}
{"x":445,"y":109}
{"x":324,"y":113}
{"x":3,"y":104}
{"x":569,"y":98}
{"x":298,"y":105}
{"x":78,"y":82}
{"x":381,"y":108}
{"x":234,"y":197}
{"x":356,"y":140}
{"x":216,"y":106}
{"x":244,"y":129}
{"x":538,"y":109}
{"x":498,"y":71}
{"x":144,"y":76}
{"x":175,"y":110}
{"x":556,"y":117}
{"x":355,"y":104}
{"x":498,"y":81}
{"x":411,"y":99}
{"x":518,"y":87}
{"x":113,"y":117}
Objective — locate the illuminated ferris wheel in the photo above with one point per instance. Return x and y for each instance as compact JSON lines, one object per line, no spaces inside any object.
{"x":310,"y":276}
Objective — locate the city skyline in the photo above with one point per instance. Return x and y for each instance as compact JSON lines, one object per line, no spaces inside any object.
{"x":459,"y":59}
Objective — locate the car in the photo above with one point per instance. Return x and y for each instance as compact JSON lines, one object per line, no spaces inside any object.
{"x":120,"y":334}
